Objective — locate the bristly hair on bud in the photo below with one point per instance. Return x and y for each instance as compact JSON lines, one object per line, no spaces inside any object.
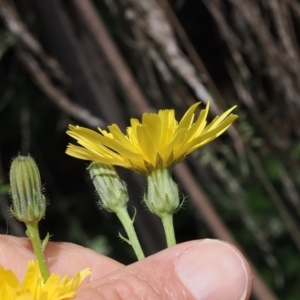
{"x":28,"y":201}
{"x":162,"y":197}
{"x":110,"y":188}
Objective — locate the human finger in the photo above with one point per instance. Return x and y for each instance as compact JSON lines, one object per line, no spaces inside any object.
{"x":62,"y":258}
{"x":207,"y":269}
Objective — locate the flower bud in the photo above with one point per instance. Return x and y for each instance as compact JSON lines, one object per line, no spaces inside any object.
{"x":110,"y":188}
{"x":28,"y":202}
{"x":162,"y":193}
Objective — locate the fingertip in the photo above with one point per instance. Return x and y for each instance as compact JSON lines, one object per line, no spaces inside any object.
{"x":15,"y":253}
{"x":62,"y":258}
{"x":214,"y":269}
{"x":208,"y":269}
{"x":66,"y":259}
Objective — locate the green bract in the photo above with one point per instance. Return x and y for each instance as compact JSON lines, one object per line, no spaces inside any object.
{"x":110,"y":188}
{"x":162,"y":193}
{"x":28,"y":201}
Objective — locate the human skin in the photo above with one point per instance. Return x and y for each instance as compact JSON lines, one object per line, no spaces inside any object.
{"x":203,"y":269}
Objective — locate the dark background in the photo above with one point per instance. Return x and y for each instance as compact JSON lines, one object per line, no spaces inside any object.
{"x":102,"y":62}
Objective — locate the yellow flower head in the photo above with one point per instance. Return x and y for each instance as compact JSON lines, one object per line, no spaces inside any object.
{"x":158,"y":142}
{"x":34,"y":288}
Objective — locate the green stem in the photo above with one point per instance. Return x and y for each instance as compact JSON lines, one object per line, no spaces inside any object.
{"x":133,"y":239}
{"x":34,"y":236}
{"x":167,"y":220}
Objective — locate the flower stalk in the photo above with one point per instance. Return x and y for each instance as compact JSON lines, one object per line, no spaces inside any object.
{"x":162,"y":199}
{"x":167,"y":221}
{"x":133,"y":240}
{"x":33,"y":234}
{"x":114,"y":197}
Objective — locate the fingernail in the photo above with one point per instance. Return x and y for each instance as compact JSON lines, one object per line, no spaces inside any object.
{"x":214,"y":270}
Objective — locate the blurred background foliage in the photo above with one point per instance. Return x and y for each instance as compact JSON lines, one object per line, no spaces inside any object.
{"x":102,"y":62}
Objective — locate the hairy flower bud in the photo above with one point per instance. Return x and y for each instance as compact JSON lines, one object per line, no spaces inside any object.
{"x":28,"y":202}
{"x":110,"y":188}
{"x":162,"y":196}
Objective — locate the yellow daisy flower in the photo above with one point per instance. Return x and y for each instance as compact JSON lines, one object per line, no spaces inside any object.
{"x":34,"y":288}
{"x":158,"y":142}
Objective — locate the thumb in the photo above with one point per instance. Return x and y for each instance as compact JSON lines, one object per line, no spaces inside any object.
{"x":207,"y":269}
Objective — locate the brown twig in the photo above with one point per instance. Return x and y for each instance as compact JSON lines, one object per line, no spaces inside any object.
{"x":103,"y":40}
{"x":195,"y":58}
{"x":58,"y":97}
{"x":15,"y":25}
{"x":152,"y":20}
{"x":285,"y":39}
{"x":19,"y":29}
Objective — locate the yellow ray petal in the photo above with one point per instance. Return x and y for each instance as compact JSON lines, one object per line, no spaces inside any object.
{"x":158,"y":141}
